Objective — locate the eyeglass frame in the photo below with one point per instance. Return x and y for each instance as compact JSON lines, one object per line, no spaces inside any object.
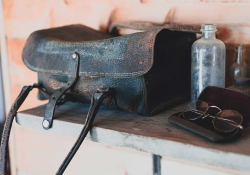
{"x":214,"y":117}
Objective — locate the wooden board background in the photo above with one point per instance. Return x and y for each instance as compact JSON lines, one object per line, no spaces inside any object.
{"x":154,"y":135}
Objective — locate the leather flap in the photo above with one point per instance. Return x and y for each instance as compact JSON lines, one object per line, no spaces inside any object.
{"x":101,"y":54}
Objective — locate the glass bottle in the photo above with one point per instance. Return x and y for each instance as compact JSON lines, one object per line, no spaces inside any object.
{"x":242,"y":85}
{"x":239,"y":70}
{"x":208,"y":61}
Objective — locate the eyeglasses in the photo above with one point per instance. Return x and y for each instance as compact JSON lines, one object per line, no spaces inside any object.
{"x":223,"y":120}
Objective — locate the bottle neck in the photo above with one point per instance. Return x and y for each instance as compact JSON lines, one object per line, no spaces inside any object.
{"x":240,"y":56}
{"x":209,"y":34}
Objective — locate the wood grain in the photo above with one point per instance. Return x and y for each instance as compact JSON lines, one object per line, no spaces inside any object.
{"x":149,"y":134}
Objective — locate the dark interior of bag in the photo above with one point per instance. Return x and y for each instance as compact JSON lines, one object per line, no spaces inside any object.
{"x":171,"y":48}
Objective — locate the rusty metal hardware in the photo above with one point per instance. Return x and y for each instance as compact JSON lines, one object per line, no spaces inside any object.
{"x":56,"y":96}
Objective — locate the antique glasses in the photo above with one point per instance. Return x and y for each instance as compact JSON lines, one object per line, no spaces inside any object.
{"x":223,"y":120}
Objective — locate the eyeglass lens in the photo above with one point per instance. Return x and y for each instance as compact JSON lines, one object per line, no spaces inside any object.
{"x":227,"y":121}
{"x":195,"y":110}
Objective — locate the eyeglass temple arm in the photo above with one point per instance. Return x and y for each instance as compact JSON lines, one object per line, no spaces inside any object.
{"x":239,"y":126}
{"x":195,"y":111}
{"x":200,"y":112}
{"x":208,"y":115}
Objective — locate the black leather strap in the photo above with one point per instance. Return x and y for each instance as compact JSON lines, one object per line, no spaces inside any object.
{"x":96,"y":102}
{"x":8,"y":123}
{"x":72,"y":77}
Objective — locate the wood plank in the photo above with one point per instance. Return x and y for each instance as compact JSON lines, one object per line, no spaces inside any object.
{"x":6,"y":84}
{"x":149,"y":134}
{"x":41,"y":153}
{"x":37,"y":147}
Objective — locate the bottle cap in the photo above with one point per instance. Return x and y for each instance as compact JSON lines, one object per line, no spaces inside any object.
{"x":208,"y":27}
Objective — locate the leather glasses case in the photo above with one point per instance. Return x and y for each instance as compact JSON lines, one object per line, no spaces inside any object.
{"x":224,"y":99}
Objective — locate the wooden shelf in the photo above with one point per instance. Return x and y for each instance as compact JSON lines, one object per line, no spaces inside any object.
{"x":149,"y":134}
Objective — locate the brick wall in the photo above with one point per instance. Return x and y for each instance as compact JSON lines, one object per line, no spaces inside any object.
{"x":25,"y":16}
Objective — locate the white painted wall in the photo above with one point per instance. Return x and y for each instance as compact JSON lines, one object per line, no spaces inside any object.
{"x":41,"y":153}
{"x":101,"y":159}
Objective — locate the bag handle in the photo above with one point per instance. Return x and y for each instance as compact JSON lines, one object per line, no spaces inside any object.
{"x":8,"y":123}
{"x":146,"y":26}
{"x":73,"y":71}
{"x":96,"y":101}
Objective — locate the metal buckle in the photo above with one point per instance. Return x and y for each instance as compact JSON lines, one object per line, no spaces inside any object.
{"x":72,"y":77}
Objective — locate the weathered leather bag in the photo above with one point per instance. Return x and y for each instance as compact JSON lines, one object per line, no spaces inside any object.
{"x":143,"y":72}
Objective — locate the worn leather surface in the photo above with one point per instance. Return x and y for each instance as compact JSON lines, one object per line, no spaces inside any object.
{"x":125,"y":56}
{"x":72,"y":78}
{"x":146,"y":71}
{"x":146,"y":26}
{"x":129,"y":93}
{"x":149,"y":71}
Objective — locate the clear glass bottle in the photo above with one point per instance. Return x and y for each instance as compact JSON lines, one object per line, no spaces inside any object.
{"x":241,"y":85}
{"x":208,"y":61}
{"x":239,"y":70}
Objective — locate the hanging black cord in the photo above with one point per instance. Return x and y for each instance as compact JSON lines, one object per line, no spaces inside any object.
{"x":96,"y":101}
